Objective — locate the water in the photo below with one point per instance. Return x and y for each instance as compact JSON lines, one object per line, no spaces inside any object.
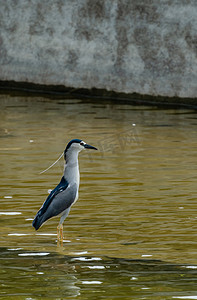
{"x":132,"y":233}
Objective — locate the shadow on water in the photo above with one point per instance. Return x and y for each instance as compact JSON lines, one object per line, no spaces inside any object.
{"x":53,"y":275}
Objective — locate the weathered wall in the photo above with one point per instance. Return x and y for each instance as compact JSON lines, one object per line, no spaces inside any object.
{"x":144,"y":46}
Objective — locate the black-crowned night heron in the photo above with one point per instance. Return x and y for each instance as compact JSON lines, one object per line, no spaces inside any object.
{"x":65,"y":194}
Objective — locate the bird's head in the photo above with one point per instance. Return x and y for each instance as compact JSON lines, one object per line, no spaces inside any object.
{"x":76,"y":145}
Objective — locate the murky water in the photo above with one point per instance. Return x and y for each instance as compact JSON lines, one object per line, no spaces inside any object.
{"x":132,"y":233}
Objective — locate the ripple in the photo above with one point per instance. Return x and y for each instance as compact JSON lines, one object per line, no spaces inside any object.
{"x":34,"y":254}
{"x":185,"y":297}
{"x":15,"y":249}
{"x":96,"y":267}
{"x":79,"y":253}
{"x":17,"y":234}
{"x":190,"y":267}
{"x":47,"y":234}
{"x":86,"y":258}
{"x":10,"y":213}
{"x":146,"y":255}
{"x":91,"y":282}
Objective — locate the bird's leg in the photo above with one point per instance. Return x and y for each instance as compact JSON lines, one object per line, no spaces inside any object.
{"x":58,"y":232}
{"x":61,"y":232}
{"x":60,"y":226}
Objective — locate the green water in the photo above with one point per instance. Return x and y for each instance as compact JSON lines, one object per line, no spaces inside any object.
{"x":132,"y":233}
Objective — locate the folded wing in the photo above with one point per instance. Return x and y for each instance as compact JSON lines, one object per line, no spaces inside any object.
{"x":61,"y":198}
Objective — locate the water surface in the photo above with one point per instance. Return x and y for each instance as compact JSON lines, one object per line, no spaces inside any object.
{"x":132,"y":233}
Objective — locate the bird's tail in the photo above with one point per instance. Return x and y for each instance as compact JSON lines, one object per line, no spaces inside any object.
{"x":38,"y":220}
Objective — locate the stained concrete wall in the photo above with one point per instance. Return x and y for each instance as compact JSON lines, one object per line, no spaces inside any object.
{"x":145,"y":46}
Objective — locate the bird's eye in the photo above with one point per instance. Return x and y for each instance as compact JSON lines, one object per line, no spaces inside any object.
{"x":82,"y":143}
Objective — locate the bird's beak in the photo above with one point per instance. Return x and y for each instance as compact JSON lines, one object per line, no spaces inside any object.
{"x":89,"y":147}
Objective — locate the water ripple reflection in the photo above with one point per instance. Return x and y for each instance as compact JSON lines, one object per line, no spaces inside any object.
{"x":133,"y":230}
{"x":50,"y":274}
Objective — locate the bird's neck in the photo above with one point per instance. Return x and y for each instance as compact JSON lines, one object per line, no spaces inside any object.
{"x":71,"y":167}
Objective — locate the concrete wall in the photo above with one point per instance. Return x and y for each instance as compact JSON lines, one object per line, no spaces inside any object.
{"x":132,"y":46}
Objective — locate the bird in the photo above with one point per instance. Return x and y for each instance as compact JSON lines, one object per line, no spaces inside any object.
{"x":65,"y":194}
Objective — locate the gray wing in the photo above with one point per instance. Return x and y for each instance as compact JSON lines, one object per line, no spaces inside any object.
{"x":63,"y":200}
